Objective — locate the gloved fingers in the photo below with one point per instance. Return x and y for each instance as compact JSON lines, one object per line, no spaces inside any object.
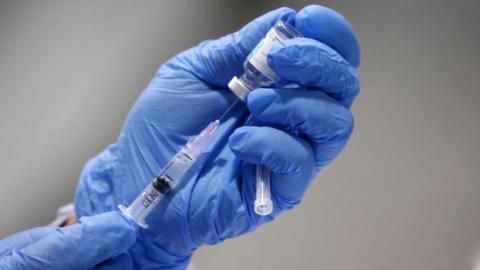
{"x":330,"y":27}
{"x":217,"y":61}
{"x":122,"y":261}
{"x":276,"y":149}
{"x":81,"y":246}
{"x":22,"y":239}
{"x":306,"y":113}
{"x":290,"y":160}
{"x":314,"y":64}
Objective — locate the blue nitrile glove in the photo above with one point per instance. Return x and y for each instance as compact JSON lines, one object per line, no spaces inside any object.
{"x":302,"y":130}
{"x":100,"y":241}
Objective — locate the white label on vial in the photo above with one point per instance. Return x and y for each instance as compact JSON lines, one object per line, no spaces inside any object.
{"x":258,"y":57}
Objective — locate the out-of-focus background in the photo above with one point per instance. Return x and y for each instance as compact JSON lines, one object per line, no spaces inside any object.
{"x":404,"y":195}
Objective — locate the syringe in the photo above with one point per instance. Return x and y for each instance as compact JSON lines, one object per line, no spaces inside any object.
{"x":169,"y":177}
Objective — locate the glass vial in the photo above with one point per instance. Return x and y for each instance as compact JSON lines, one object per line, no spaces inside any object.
{"x":257,"y":73}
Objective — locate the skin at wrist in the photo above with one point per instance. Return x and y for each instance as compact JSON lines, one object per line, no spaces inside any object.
{"x":70,"y":221}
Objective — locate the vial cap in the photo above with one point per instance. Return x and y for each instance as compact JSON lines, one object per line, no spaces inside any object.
{"x":238,"y":88}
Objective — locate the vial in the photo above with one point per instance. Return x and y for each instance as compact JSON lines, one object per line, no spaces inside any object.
{"x":257,"y":73}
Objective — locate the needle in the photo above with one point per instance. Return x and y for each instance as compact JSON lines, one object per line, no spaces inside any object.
{"x":228,"y":109}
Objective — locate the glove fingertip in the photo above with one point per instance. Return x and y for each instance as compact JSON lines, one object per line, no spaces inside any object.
{"x":243,"y":143}
{"x":116,"y":231}
{"x":280,"y":57}
{"x":330,"y":27}
{"x":286,"y":14}
{"x":236,"y":140}
{"x":131,"y":223}
{"x":127,"y":228}
{"x":259,"y":100}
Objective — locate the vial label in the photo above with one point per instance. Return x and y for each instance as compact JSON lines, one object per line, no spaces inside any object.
{"x":258,"y":56}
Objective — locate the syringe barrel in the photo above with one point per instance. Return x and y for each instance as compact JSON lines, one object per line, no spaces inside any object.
{"x":169,"y":177}
{"x":141,"y":207}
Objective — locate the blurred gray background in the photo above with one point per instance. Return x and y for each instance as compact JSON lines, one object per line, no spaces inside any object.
{"x":404,"y":195}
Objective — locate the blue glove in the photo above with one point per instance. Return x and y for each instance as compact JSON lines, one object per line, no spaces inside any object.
{"x":294,"y":132}
{"x":100,"y":241}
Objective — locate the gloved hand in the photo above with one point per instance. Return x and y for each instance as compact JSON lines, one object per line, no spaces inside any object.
{"x":100,"y":241}
{"x":294,"y":132}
